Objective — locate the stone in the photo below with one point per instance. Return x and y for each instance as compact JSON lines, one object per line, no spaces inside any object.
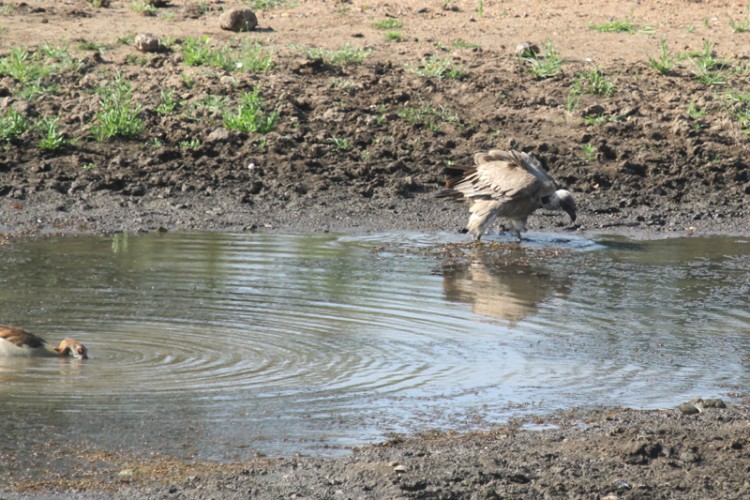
{"x":146,"y":42}
{"x":238,"y":20}
{"x":688,"y":409}
{"x":526,"y":49}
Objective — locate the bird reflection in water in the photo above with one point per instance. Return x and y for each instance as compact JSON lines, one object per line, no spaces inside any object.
{"x":509,"y":286}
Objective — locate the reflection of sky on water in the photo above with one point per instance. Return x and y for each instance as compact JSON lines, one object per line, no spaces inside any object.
{"x":217,"y":345}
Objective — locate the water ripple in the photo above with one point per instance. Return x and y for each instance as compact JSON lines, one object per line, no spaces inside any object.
{"x":278,"y":341}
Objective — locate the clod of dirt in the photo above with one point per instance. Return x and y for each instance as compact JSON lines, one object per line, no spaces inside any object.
{"x":238,"y":20}
{"x":146,"y":42}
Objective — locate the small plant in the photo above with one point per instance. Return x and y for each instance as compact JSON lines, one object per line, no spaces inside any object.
{"x":435,"y":67}
{"x":460,"y":43}
{"x":191,"y":144}
{"x":126,"y":39}
{"x":88,"y":166}
{"x":342,"y":83}
{"x":92,"y":46}
{"x":707,"y":75}
{"x":708,"y":58}
{"x":428,"y":116}
{"x":545,"y":65}
{"x":739,"y":108}
{"x":340,"y":144}
{"x":388,"y":23}
{"x":143,"y":7}
{"x":117,"y":116}
{"x":255,"y":57}
{"x":599,"y":119}
{"x":252,"y":56}
{"x":741,"y":26}
{"x":695,"y":112}
{"x":168,"y":102}
{"x":12,"y":124}
{"x":167,"y":43}
{"x":265,"y":4}
{"x":393,"y":36}
{"x":214,"y":104}
{"x":52,"y":139}
{"x":249,"y":116}
{"x":593,"y":82}
{"x":187,"y":80}
{"x":198,"y":52}
{"x":624,"y":26}
{"x":345,"y":56}
{"x":23,"y":66}
{"x":137,"y":59}
{"x":32,"y":89}
{"x":666,"y":61}
{"x":480,"y":8}
{"x":589,"y":153}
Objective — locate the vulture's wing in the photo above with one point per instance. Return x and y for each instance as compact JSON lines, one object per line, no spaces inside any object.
{"x":503,"y":175}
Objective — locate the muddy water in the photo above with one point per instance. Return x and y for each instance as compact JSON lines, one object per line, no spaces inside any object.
{"x":220,"y":345}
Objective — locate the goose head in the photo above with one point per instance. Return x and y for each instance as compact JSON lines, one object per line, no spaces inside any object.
{"x":70,"y":347}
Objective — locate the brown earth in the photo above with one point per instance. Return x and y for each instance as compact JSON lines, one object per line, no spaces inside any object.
{"x":361,"y":147}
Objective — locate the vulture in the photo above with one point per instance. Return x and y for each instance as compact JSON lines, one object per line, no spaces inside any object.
{"x":15,"y":342}
{"x":509,"y":184}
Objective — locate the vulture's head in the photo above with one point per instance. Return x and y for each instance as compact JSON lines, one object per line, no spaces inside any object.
{"x":561,"y":199}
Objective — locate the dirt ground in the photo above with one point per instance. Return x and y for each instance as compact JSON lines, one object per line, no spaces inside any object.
{"x":360,"y":145}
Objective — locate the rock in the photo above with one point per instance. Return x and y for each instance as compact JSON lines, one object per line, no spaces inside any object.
{"x":688,"y":409}
{"x":238,"y":20}
{"x":714,"y":403}
{"x":125,"y":475}
{"x":146,"y":42}
{"x":526,"y":49}
{"x":218,"y":135}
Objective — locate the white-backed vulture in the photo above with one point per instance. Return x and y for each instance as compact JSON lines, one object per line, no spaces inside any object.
{"x":508,"y":184}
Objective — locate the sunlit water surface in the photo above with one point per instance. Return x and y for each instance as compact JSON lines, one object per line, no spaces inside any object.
{"x":221,"y":345}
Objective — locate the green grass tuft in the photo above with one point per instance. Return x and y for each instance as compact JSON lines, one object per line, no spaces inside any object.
{"x":52,"y":139}
{"x":546,"y":65}
{"x":666,"y":61}
{"x":249,"y":116}
{"x":345,"y":56}
{"x":117,"y":116}
{"x":12,"y":124}
{"x":621,"y":26}
{"x":435,"y":67}
{"x":388,"y":23}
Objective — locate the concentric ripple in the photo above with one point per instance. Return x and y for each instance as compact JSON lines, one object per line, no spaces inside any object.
{"x":217,"y":343}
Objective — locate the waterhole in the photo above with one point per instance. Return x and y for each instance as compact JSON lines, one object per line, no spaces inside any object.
{"x":219,"y":346}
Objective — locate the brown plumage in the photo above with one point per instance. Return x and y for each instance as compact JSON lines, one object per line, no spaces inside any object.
{"x":510,"y":184}
{"x":16,"y":341}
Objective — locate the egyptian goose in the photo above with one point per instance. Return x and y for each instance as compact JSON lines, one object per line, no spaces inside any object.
{"x":16,"y":342}
{"x":509,"y":184}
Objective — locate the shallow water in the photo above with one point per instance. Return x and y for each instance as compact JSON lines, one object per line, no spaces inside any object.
{"x":220,"y":345}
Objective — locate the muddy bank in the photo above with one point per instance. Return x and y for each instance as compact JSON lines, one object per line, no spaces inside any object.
{"x":593,"y":454}
{"x":357,"y":138}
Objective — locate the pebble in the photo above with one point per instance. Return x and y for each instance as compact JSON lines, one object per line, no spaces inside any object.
{"x":146,"y":42}
{"x":688,"y":409}
{"x":238,"y":20}
{"x":526,"y":49}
